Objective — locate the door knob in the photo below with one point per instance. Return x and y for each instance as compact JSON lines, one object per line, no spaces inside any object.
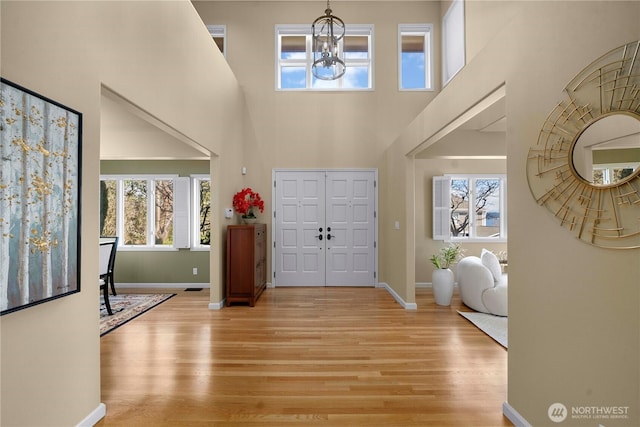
{"x":319,"y":237}
{"x":328,"y":236}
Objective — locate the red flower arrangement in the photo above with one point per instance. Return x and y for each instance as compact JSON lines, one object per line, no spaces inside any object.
{"x":245,"y":200}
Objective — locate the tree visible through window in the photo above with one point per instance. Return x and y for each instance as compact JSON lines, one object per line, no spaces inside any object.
{"x":469,"y":207}
{"x":135,"y":212}
{"x":108,"y":207}
{"x":476,"y":207}
{"x":164,"y":212}
{"x":204,"y":189}
{"x":142,"y":210}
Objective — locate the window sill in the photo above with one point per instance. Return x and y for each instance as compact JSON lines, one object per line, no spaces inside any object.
{"x":477,"y":240}
{"x":147,"y":249}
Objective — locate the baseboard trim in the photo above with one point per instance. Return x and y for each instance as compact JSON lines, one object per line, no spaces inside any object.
{"x":513,"y":416}
{"x":95,"y":416}
{"x":163,"y":285}
{"x":430,"y":285}
{"x":398,"y":298}
{"x":216,"y":305}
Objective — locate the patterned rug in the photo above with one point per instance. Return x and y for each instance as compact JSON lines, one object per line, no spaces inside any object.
{"x":494,"y":326}
{"x":127,"y":307}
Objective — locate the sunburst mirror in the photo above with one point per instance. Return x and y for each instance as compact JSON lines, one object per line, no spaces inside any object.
{"x":585,"y":166}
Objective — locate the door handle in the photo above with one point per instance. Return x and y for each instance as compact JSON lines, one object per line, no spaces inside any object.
{"x":328,"y":236}
{"x":319,"y":237}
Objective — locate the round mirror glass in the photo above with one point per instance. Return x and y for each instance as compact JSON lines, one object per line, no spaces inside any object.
{"x":608,"y":150}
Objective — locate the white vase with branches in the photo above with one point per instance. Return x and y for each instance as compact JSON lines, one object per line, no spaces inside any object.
{"x":442,"y":278}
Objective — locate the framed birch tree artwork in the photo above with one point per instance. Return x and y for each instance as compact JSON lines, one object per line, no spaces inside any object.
{"x":40,"y":170}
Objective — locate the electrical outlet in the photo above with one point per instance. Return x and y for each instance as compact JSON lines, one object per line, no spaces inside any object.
{"x":195,"y":271}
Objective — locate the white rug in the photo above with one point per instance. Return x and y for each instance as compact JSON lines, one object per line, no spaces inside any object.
{"x":494,"y":326}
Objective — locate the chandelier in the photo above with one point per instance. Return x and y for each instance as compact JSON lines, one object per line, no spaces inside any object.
{"x":327,"y":31}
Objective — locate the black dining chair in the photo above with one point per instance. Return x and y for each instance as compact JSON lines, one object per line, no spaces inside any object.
{"x":108,"y":249}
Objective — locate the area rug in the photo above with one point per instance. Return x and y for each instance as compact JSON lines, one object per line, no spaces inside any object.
{"x":127,"y":307}
{"x":494,"y":326}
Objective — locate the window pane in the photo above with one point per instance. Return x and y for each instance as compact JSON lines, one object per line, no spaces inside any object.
{"x":356,"y":77}
{"x":108,"y":208}
{"x":324,"y":84}
{"x":356,"y":47}
{"x":135,"y":212}
{"x":164,"y":212}
{"x":293,"y":47}
{"x":205,"y":212}
{"x":220,"y":43}
{"x":413,"y":62}
{"x":413,"y":74}
{"x":598,"y":176}
{"x":487,"y":208}
{"x":453,"y":56}
{"x":218,"y":33}
{"x":459,"y":208}
{"x":621,"y":173}
{"x":293,"y":77}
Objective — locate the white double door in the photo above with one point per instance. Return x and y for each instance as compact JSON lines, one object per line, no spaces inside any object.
{"x":325,"y":228}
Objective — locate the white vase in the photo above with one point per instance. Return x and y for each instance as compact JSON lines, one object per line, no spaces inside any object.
{"x":442,"y":281}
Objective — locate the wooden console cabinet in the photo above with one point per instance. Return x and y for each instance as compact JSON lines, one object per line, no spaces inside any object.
{"x":246,"y":262}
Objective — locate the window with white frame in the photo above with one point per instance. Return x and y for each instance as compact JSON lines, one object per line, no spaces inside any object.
{"x":294,"y":58}
{"x":606,"y":174}
{"x":145,"y":211}
{"x":453,"y":43}
{"x":470,"y":207}
{"x":415,"y":59}
{"x":201,"y":196}
{"x":219,"y":35}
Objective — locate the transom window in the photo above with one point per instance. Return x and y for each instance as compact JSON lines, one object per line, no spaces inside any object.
{"x":415,"y":60}
{"x":453,"y":41}
{"x":294,"y":57}
{"x":470,"y":207}
{"x":219,"y":35}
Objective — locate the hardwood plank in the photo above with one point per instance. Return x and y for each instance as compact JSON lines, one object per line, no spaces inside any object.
{"x":320,"y":356}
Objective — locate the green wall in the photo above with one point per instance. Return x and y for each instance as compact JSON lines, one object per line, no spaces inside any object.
{"x":627,"y":155}
{"x":159,"y":266}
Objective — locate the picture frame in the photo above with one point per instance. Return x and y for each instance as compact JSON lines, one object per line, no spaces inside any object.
{"x":40,"y":188}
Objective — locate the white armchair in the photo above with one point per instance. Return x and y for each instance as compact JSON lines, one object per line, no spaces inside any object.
{"x":482,"y":285}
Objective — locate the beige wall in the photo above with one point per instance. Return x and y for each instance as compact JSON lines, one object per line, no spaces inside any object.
{"x":159,"y":57}
{"x":574,"y":310}
{"x":317,"y":129}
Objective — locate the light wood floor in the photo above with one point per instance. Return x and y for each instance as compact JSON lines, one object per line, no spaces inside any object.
{"x":303,"y":356}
